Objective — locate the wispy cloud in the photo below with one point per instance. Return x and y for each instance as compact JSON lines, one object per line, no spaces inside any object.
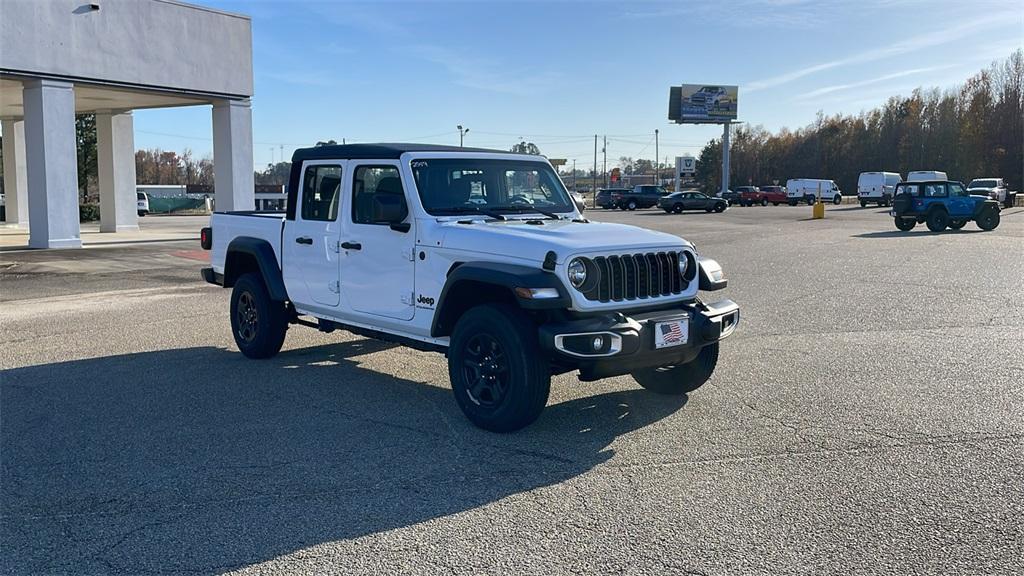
{"x":484,"y":74}
{"x":876,"y":80}
{"x":930,"y":39}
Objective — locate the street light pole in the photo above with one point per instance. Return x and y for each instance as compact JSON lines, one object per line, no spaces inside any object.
{"x":656,"y":157}
{"x":462,"y":133}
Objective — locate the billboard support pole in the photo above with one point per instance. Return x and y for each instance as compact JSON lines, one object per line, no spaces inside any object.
{"x":725,"y":158}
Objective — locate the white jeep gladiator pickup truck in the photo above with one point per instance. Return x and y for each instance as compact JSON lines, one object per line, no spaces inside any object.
{"x":479,"y":254}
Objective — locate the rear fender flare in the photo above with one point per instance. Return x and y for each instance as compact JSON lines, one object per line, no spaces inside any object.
{"x":262,"y":253}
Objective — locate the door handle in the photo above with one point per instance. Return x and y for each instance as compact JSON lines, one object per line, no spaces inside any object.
{"x":304,"y":240}
{"x":351,"y":246}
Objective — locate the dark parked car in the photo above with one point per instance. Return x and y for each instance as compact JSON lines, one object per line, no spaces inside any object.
{"x":679,"y":201}
{"x":730,"y":196}
{"x":604,"y":197}
{"x":639,"y":197}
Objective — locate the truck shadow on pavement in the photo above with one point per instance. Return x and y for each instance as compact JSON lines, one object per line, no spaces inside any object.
{"x":199,"y":460}
{"x":916,"y":233}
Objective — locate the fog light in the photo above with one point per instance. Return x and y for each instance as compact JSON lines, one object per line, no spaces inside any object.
{"x":598,"y":343}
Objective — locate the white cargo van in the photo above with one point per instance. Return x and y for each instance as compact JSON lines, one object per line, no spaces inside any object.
{"x":807,"y":190}
{"x":922,"y":175}
{"x":877,"y":187}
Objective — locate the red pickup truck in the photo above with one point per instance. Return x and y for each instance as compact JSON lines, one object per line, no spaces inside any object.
{"x":774,"y":194}
{"x":750,"y":195}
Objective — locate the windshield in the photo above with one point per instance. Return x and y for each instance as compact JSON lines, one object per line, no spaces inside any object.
{"x":982,"y":184}
{"x":459,"y":185}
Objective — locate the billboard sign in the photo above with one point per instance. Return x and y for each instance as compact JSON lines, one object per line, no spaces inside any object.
{"x":702,"y":103}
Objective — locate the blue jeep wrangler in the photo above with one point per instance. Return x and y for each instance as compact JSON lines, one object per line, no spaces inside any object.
{"x":941,"y":204}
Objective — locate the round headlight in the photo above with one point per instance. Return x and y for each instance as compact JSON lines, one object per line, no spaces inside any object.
{"x":684,"y":262}
{"x":577,"y":272}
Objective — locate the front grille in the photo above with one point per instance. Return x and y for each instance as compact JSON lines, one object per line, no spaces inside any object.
{"x":638,"y":276}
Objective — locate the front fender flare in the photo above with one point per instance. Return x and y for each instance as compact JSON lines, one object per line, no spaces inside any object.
{"x":500,"y":275}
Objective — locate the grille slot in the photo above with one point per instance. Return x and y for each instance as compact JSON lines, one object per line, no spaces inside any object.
{"x":628,"y":277}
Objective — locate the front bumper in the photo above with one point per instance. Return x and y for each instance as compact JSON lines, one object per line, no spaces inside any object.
{"x":629,"y":341}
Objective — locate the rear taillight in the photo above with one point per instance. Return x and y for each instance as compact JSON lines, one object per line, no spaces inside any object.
{"x":206,"y":238}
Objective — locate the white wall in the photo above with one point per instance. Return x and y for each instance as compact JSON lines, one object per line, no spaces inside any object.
{"x":158,"y":43}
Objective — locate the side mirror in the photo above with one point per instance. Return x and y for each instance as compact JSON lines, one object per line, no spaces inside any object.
{"x":391,"y":209}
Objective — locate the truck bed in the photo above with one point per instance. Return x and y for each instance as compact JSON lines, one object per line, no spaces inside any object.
{"x":230,"y":225}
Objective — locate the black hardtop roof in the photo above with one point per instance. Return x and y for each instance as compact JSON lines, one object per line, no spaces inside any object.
{"x":382,"y":151}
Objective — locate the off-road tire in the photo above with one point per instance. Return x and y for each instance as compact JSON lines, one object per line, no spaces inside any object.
{"x":905,"y":224}
{"x":516,"y":353}
{"x":681,"y":379}
{"x":956,"y":224}
{"x":937,"y":220}
{"x":258,"y":323}
{"x":988,"y":219}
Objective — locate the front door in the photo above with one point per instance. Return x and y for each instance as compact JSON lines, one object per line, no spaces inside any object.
{"x":310,"y":242}
{"x":961,"y":205}
{"x":378,"y":275}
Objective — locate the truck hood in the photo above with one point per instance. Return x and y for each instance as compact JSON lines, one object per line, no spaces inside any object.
{"x":515,"y":237}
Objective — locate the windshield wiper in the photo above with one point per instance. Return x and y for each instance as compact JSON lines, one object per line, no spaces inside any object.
{"x":528,"y":209}
{"x":470,"y":210}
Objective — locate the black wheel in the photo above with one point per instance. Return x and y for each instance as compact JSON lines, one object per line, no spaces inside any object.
{"x":937,"y":220}
{"x":792,"y":202}
{"x":989,"y":219}
{"x":764,"y":202}
{"x":668,"y":210}
{"x":677,"y":208}
{"x":681,"y":379}
{"x":905,"y":224}
{"x":498,"y":374}
{"x":837,"y":199}
{"x":720,"y":207}
{"x":956,"y":224}
{"x":631,"y":205}
{"x":864,"y":204}
{"x":810,"y":200}
{"x":775,"y":203}
{"x":258,"y":323}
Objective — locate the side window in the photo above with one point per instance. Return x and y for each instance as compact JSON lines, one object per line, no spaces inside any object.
{"x":957,"y":190}
{"x":321,"y":192}
{"x":369,"y":182}
{"x":934,"y":190}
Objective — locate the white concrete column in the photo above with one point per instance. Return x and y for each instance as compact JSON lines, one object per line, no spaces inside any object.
{"x":115,"y":158}
{"x":233,"y":179}
{"x":15,"y":176}
{"x":52,"y":164}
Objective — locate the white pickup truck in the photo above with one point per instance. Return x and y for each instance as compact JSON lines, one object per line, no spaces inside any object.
{"x":479,"y":254}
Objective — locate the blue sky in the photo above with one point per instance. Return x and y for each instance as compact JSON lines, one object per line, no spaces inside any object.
{"x":558,"y":73}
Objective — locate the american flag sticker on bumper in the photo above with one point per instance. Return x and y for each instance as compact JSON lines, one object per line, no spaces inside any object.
{"x":671,"y":333}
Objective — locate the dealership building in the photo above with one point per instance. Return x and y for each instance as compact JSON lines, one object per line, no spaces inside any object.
{"x":59,"y":58}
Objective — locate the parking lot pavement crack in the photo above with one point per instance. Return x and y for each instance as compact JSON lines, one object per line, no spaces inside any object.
{"x":863,"y":449}
{"x":798,"y":431}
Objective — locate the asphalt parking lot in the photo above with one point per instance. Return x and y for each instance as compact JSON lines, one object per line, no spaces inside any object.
{"x":866,"y":418}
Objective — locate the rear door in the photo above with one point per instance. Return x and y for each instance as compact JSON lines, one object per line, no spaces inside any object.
{"x":309,"y":243}
{"x":378,"y":275}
